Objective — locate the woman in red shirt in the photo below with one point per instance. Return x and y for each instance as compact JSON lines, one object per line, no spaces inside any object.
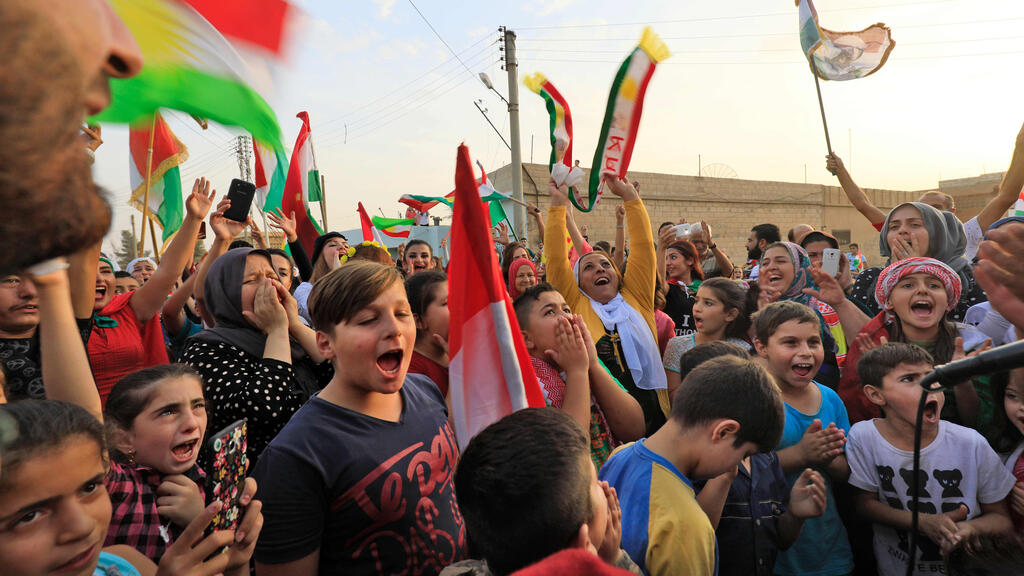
{"x":126,"y":334}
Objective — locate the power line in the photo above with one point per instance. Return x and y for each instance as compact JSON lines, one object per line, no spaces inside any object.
{"x":432,"y":29}
{"x":720,"y":18}
{"x":409,"y":83}
{"x":765,"y":62}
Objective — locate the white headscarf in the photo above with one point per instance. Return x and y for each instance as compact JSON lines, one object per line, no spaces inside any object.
{"x":638,"y":344}
{"x":131,"y":265}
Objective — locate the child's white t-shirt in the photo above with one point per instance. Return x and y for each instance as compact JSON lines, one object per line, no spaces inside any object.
{"x":958,"y":467}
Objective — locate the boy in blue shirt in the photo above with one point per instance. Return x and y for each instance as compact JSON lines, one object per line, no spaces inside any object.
{"x":788,"y":339}
{"x":724,"y":411}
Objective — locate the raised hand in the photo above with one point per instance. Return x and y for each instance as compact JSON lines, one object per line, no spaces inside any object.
{"x":829,"y":291}
{"x":958,"y":349}
{"x":620,"y":214}
{"x":223,"y":228}
{"x":819,"y":446}
{"x":807,"y":498}
{"x":501,"y":236}
{"x":833,"y":164}
{"x":559,"y":194}
{"x":666,"y":237}
{"x":620,"y":187}
{"x":865,"y":343}
{"x":611,"y":546}
{"x":188,"y":555}
{"x":570,"y":353}
{"x":178,"y":499}
{"x":706,"y":231}
{"x":268,"y":314}
{"x":200,"y":200}
{"x":532,"y":209}
{"x":286,"y":224}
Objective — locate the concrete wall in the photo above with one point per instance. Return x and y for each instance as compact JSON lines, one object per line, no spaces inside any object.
{"x":731,"y":206}
{"x":971,"y":194}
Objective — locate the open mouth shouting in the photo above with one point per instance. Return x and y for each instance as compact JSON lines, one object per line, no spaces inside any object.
{"x":803,"y":370}
{"x":185,"y":451}
{"x":922,"y":308}
{"x":101,"y":292}
{"x":390,"y":362}
{"x":931,"y":411}
{"x":602,"y":281}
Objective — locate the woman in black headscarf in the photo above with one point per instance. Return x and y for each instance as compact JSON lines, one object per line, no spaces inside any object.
{"x":912,"y":230}
{"x":260,"y":361}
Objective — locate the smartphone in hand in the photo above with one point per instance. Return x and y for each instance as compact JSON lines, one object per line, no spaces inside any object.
{"x":227,"y":479}
{"x":241,"y":195}
{"x":830,"y":261}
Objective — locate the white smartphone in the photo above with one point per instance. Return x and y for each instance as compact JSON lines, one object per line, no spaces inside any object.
{"x":830,"y":261}
{"x":681,"y":230}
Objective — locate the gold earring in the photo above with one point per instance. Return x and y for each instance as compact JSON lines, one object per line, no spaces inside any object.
{"x":131,"y":457}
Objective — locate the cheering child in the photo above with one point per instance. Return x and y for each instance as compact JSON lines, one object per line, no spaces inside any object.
{"x":334,"y":479}
{"x":962,"y":485}
{"x":719,"y":313}
{"x":788,"y":339}
{"x":156,"y":421}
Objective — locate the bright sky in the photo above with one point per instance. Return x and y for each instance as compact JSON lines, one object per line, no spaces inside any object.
{"x":737,"y":91}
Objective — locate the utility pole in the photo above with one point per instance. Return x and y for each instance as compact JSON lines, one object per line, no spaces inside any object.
{"x":242,"y":149}
{"x":512,"y":66}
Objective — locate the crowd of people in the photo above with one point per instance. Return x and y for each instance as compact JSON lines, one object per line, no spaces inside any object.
{"x":704,"y":415}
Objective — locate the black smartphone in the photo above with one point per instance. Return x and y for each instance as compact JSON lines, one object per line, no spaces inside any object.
{"x":241,"y":194}
{"x":227,"y":479}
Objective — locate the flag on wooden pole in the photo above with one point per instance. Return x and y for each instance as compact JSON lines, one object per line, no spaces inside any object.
{"x":166,"y":204}
{"x":301,"y":176}
{"x":490,"y":371}
{"x":842,"y":55}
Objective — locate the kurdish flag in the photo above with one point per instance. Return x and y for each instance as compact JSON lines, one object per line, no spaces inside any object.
{"x":490,"y":371}
{"x":1018,"y":207}
{"x":394,"y":227}
{"x":270,"y":175}
{"x":302,"y":178}
{"x":165,"y":199}
{"x":423,"y":203}
{"x":842,"y":55}
{"x":622,"y":115}
{"x":370,"y":233}
{"x":559,"y":116}
{"x":190,"y":66}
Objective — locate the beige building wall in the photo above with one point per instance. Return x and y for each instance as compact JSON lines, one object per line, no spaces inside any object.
{"x":971,"y":194}
{"x":731,"y":206}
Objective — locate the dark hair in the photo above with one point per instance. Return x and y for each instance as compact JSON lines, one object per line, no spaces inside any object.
{"x":945,"y":341}
{"x":279,"y":252}
{"x":767,"y":320}
{"x":767,"y":232}
{"x":523,"y":487}
{"x":43,"y":425}
{"x":733,"y":297}
{"x":343,"y":292}
{"x":130,"y":395}
{"x":412,"y":243}
{"x":663,"y":224}
{"x":523,"y":305}
{"x":506,"y":258}
{"x":876,"y":363}
{"x":818,"y":236}
{"x":1006,"y":437}
{"x":688,"y":250}
{"x":603,"y":245}
{"x":703,"y":352}
{"x":732,"y":388}
{"x":420,"y":290}
{"x":239,"y":244}
{"x":855,"y":244}
{"x":122,"y":274}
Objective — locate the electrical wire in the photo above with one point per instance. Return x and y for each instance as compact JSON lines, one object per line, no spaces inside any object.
{"x":434,"y":30}
{"x":789,"y":13}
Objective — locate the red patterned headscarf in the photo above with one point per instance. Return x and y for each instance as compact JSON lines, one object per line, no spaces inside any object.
{"x":513,"y":270}
{"x":896,"y":271}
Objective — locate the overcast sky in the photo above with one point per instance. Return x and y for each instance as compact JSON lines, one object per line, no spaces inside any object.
{"x":737,"y":91}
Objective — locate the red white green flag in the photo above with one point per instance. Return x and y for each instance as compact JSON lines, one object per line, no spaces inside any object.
{"x":190,"y":65}
{"x":370,"y":233}
{"x":166,"y":203}
{"x":490,"y":371}
{"x":622,"y":114}
{"x":269,"y":175}
{"x":394,"y":227}
{"x":302,"y":176}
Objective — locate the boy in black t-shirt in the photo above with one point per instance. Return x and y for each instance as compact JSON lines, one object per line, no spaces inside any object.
{"x":360,"y":480}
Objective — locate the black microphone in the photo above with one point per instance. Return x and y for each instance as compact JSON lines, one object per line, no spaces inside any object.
{"x":998,"y":359}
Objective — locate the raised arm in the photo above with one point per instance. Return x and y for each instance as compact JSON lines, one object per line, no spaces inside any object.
{"x":581,"y":244}
{"x":173,"y":313}
{"x":538,"y":218}
{"x":556,"y":250}
{"x":641,"y":270}
{"x":66,"y":372}
{"x":1009,"y":188}
{"x":854,"y":192}
{"x":149,"y":298}
{"x":721,"y":258}
{"x":82,"y":277}
{"x":620,"y":240}
{"x":288,"y":225}
{"x":224,"y":231}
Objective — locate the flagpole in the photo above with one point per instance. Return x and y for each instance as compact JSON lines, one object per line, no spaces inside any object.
{"x":323,"y":193}
{"x":821,"y":106}
{"x":156,"y":247}
{"x":149,"y":176}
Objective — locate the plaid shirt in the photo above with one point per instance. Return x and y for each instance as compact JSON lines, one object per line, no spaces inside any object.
{"x":135,"y":521}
